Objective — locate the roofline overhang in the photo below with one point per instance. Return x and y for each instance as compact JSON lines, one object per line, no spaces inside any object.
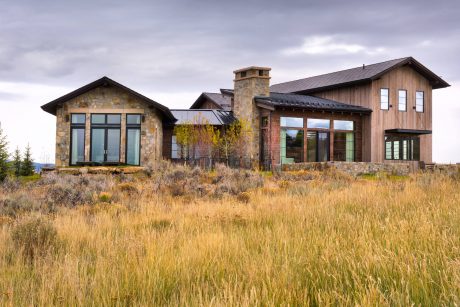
{"x":200,"y":98}
{"x":51,"y":106}
{"x":408,"y":131}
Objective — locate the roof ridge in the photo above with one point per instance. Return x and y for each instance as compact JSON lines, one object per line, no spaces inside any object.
{"x":342,"y":70}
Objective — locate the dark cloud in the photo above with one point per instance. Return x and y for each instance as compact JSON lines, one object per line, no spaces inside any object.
{"x":188,"y":45}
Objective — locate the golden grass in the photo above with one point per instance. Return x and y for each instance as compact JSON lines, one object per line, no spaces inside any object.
{"x":319,"y":242}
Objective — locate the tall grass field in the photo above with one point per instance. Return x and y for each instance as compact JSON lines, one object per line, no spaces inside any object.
{"x":230,"y":238}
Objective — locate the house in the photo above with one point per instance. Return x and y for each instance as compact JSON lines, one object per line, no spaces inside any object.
{"x":373,"y":113}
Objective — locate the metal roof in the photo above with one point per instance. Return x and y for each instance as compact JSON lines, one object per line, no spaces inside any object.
{"x":309,"y":102}
{"x":408,"y":131}
{"x":221,"y":101}
{"x":365,"y":73}
{"x":203,"y":116}
{"x":50,"y":107}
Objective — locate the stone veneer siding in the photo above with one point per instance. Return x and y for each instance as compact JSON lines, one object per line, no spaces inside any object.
{"x":108,"y":99}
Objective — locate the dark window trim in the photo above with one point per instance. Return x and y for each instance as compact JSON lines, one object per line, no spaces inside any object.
{"x":380,"y":101}
{"x":405,"y":109}
{"x":423,"y":101}
{"x":401,"y":138}
{"x":303,"y":158}
{"x":133,"y":127}
{"x":77,"y":126}
{"x":105,"y":127}
{"x":328,"y":132}
{"x":354,"y":141}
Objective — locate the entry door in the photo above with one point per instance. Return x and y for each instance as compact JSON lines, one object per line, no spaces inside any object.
{"x":105,"y":145}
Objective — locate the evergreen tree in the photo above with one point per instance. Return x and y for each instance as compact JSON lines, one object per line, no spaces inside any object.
{"x":17,"y":162}
{"x":27,"y":165}
{"x":3,"y":156}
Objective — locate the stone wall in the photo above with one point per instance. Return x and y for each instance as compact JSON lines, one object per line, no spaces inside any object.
{"x":353,"y":168}
{"x":108,"y":99}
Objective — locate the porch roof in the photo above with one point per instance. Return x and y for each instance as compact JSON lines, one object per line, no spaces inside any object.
{"x":408,"y":131}
{"x":213,"y":117}
{"x":309,"y":102}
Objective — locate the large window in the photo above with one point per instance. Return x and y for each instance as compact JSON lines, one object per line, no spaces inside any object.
{"x":402,"y":102}
{"x":384,"y":99}
{"x":344,"y":141}
{"x":105,"y":138}
{"x":419,"y":102}
{"x":77,"y":138}
{"x":133,"y":139}
{"x":402,"y":147}
{"x":291,"y":146}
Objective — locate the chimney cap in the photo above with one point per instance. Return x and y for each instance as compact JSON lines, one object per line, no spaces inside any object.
{"x":252,"y":68}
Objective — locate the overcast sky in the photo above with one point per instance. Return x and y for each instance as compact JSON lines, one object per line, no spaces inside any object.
{"x":171,"y":51}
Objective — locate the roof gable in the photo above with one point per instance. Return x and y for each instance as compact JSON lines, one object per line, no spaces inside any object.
{"x":50,"y":107}
{"x":221,"y":101}
{"x":356,"y":75}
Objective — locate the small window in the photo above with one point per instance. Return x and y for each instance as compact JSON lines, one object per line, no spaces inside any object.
{"x":114,"y":119}
{"x":314,"y":123}
{"x":133,"y":119}
{"x":343,"y":125}
{"x":402,"y":102}
{"x":243,"y":74}
{"x":419,"y":102}
{"x":97,"y":118}
{"x":384,"y":99}
{"x":261,"y":72}
{"x":78,"y":119}
{"x":292,"y":122}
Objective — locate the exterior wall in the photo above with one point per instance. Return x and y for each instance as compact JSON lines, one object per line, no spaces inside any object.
{"x":110,"y":100}
{"x":274,"y":123}
{"x":404,"y":78}
{"x":359,"y":95}
{"x":368,"y":95}
{"x":244,"y":108}
{"x":208,"y":104}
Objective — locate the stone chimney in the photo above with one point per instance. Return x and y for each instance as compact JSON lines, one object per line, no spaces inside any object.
{"x":250,"y":82}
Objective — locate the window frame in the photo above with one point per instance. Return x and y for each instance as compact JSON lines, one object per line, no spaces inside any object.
{"x":388,"y":98}
{"x":399,"y":100}
{"x":133,"y":127}
{"x":423,"y":101}
{"x":105,"y":127}
{"x":411,"y":155}
{"x":77,"y":126}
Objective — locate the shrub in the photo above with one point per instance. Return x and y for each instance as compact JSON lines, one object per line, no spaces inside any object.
{"x":35,"y":237}
{"x":244,"y":197}
{"x":128,"y":188}
{"x":105,"y":197}
{"x":19,"y":203}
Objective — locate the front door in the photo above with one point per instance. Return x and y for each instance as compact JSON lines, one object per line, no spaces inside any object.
{"x":105,"y":145}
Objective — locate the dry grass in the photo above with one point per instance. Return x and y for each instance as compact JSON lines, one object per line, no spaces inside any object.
{"x":318,"y":241}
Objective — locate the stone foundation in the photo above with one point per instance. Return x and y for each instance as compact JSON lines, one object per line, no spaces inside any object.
{"x":353,"y":168}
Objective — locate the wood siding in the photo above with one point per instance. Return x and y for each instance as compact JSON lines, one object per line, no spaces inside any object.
{"x":368,"y":95}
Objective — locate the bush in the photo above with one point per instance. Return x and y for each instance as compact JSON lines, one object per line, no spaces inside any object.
{"x":35,"y":237}
{"x":19,"y":203}
{"x":244,"y":197}
{"x":105,"y":197}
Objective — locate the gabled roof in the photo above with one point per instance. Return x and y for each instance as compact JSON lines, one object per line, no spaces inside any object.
{"x":203,"y":116}
{"x":309,"y":103}
{"x":50,"y":107}
{"x":220,"y":101}
{"x":356,"y":75}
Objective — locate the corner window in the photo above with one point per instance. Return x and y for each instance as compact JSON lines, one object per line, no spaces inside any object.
{"x":314,"y":123}
{"x":402,"y":101}
{"x":402,"y":148}
{"x":292,"y":122}
{"x":384,"y":99}
{"x":419,"y":102}
{"x":77,"y":138}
